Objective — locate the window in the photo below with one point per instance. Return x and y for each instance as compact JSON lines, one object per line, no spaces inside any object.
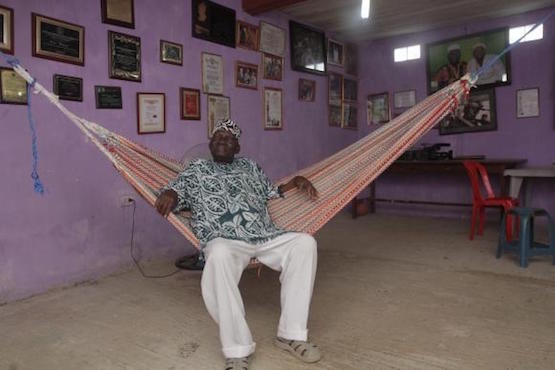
{"x":517,"y":32}
{"x":406,"y":53}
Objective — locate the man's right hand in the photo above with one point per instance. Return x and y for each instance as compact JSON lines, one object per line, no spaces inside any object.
{"x":166,"y":202}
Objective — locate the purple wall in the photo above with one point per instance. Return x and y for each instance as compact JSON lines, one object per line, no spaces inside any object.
{"x":532,"y":65}
{"x":78,"y":230}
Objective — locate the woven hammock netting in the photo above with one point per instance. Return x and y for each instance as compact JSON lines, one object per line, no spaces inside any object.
{"x":338,"y":178}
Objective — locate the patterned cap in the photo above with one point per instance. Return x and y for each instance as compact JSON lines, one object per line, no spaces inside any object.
{"x":228,"y":125}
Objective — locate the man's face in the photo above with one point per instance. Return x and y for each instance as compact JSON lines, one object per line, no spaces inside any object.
{"x":454,"y":56}
{"x":223,"y":146}
{"x":479,"y":52}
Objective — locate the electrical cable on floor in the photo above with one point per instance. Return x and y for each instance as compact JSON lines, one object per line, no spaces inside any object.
{"x":132,"y":245}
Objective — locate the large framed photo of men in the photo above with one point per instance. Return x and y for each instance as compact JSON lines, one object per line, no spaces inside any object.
{"x":477,"y":114}
{"x":58,"y":40}
{"x":213,"y":22}
{"x":308,"y":48}
{"x":125,"y":56}
{"x":449,"y":60}
{"x":6,"y":30}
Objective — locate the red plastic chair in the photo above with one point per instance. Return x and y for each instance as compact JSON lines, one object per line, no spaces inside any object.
{"x":477,"y":171}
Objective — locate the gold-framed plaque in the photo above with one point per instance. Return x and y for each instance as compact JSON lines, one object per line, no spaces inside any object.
{"x":13,"y":88}
{"x":171,"y":52}
{"x":273,"y":108}
{"x":151,"y":113}
{"x":218,"y":109}
{"x":118,"y":12}
{"x":6,"y":30}
{"x":212,"y":73}
{"x":125,"y":56}
{"x":58,"y":40}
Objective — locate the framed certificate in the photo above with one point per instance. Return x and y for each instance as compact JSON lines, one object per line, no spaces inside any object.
{"x":68,"y":88}
{"x":6,"y":30}
{"x":13,"y":88}
{"x":377,"y":109}
{"x":118,"y":12}
{"x":108,"y":97}
{"x":171,"y":52}
{"x":58,"y":40}
{"x":125,"y":56}
{"x":190,"y":103}
{"x":273,"y":109}
{"x":218,"y":109}
{"x":528,"y":103}
{"x":272,"y":39}
{"x":151,"y":113}
{"x":212,"y":74}
{"x":404,"y":99}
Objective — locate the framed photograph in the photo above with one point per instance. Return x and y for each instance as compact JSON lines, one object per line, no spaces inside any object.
{"x":118,"y":12}
{"x":13,"y":88}
{"x":68,"y":87}
{"x":272,"y":66}
{"x":308,"y":48}
{"x":335,"y":115}
{"x":171,"y":52}
{"x":218,"y":109}
{"x":58,"y":40}
{"x":307,"y":89}
{"x":404,"y":99}
{"x":190,"y":103}
{"x":212,"y":73}
{"x":6,"y":30}
{"x":377,"y":109}
{"x":246,"y":75}
{"x":528,"y":103}
{"x":272,"y":39}
{"x":125,"y":56}
{"x":350,"y":89}
{"x":349,"y":116}
{"x":335,"y":53}
{"x":213,"y":22}
{"x":449,"y":60}
{"x":273,"y":109}
{"x":478,"y":114}
{"x":108,"y":97}
{"x":247,"y":36}
{"x":151,"y":113}
{"x":351,"y":59}
{"x":335,"y":89}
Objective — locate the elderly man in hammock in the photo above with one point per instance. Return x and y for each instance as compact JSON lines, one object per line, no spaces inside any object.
{"x":228,"y":198}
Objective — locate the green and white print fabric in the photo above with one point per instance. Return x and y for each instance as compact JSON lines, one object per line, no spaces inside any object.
{"x":227,"y":200}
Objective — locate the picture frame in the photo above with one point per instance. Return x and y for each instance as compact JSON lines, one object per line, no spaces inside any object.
{"x":273,"y":108}
{"x":335,"y":89}
{"x":6,"y":30}
{"x":58,"y":40}
{"x":108,"y":97}
{"x":307,"y":90}
{"x":171,"y":52}
{"x":247,"y":36}
{"x":212,"y":73}
{"x":13,"y":87}
{"x":308,"y":49}
{"x":272,"y":67}
{"x":272,"y":39}
{"x":477,"y":114}
{"x":213,"y":22}
{"x":118,"y":12}
{"x":125,"y":56}
{"x":246,"y":75}
{"x":350,"y":89}
{"x":336,"y":53}
{"x":528,"y":102}
{"x":378,"y":109}
{"x":151,"y":113}
{"x":404,"y":99}
{"x":219,"y":108}
{"x":190,"y":103}
{"x":68,"y":87}
{"x":335,"y":115}
{"x":349,"y":115}
{"x":448,"y":60}
{"x":351,"y":59}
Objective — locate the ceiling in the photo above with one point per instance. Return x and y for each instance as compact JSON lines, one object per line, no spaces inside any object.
{"x":397,"y":17}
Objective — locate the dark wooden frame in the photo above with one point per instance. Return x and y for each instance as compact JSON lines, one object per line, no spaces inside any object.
{"x":342,"y":45}
{"x":56,"y":79}
{"x":117,"y":22}
{"x":164,"y":59}
{"x":267,"y":76}
{"x":97,"y":100}
{"x":344,"y":124}
{"x":371,"y":97}
{"x":36,"y":39}
{"x":264,"y":108}
{"x":251,"y":27}
{"x":216,"y":16}
{"x":347,"y":84}
{"x":239,"y":64}
{"x":312,"y":84}
{"x":312,"y":36}
{"x":139,"y":112}
{"x":340,"y":108}
{"x":464,"y":128}
{"x":2,"y":99}
{"x":340,"y":100}
{"x":111,"y":50}
{"x":10,"y":48}
{"x":184,"y":91}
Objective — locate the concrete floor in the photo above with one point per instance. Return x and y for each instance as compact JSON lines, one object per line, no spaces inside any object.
{"x":391,"y":293}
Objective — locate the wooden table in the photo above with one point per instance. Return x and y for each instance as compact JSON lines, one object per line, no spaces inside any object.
{"x":518,"y":175}
{"x":495,"y":167}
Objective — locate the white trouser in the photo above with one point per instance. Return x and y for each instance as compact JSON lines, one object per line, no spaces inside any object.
{"x":294,"y":254}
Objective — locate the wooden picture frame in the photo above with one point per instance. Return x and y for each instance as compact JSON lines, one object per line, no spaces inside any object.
{"x":219,"y":108}
{"x":118,"y":12}
{"x":272,"y":39}
{"x":307,"y":90}
{"x":151,"y":113}
{"x":68,"y":87}
{"x":58,"y":40}
{"x":6,"y":30}
{"x":308,"y":49}
{"x":378,"y":109}
{"x":404,"y":99}
{"x":246,"y":75}
{"x":336,"y":53}
{"x":247,"y":36}
{"x":213,"y":22}
{"x":125,"y":56}
{"x":190,"y":103}
{"x":477,"y":114}
{"x":212,"y":73}
{"x":528,"y":102}
{"x":349,"y":114}
{"x":351,"y":59}
{"x":13,"y":87}
{"x":335,"y":89}
{"x":272,"y":67}
{"x":335,"y":115}
{"x":171,"y":52}
{"x":273,"y":108}
{"x":108,"y":97}
{"x":350,"y":89}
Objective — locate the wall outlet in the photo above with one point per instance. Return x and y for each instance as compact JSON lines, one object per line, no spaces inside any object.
{"x":126,"y":200}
